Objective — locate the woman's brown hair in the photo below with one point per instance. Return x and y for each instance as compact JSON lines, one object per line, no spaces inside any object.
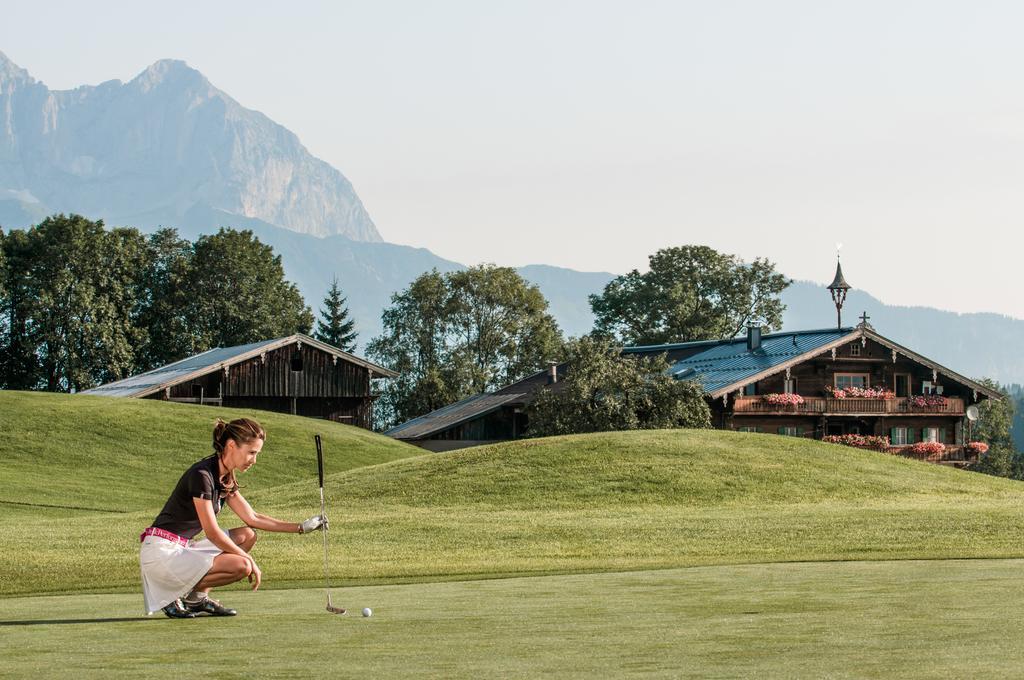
{"x":243,"y":431}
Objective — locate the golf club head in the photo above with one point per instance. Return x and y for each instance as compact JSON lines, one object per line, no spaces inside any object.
{"x":335,"y":610}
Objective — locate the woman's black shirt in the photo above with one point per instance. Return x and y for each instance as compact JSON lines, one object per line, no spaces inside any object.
{"x":202,"y":480}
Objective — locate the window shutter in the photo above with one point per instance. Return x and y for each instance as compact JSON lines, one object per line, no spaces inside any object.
{"x":799,"y":432}
{"x":782,"y":430}
{"x":941,"y":435}
{"x":911,"y":434}
{"x":892,"y":435}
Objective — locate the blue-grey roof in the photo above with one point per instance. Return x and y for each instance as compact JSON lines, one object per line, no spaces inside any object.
{"x":151,"y":381}
{"x":725,"y":363}
{"x":449,"y":416}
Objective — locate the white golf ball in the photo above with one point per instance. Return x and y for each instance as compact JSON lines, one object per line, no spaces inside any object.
{"x":367,"y":611}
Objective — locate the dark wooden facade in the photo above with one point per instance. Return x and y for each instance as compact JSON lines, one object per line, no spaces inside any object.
{"x":299,"y":378}
{"x":878,"y":366}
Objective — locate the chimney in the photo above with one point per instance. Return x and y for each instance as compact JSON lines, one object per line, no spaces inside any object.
{"x":552,"y":373}
{"x":753,"y":337}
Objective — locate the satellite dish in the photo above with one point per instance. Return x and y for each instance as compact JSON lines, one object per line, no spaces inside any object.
{"x":972,"y":413}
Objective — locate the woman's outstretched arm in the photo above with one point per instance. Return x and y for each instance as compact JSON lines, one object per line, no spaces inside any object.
{"x":241,"y":507}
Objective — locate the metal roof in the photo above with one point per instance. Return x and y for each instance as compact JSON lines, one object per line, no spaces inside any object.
{"x":729,"y":362}
{"x":449,"y":416}
{"x":839,"y":282}
{"x":721,"y":366}
{"x":147,"y":383}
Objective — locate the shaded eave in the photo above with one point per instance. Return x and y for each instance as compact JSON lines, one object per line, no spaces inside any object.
{"x":452,"y":415}
{"x":152,"y":388}
{"x":856,"y":334}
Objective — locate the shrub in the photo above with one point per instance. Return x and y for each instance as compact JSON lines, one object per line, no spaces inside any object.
{"x":860,"y":441}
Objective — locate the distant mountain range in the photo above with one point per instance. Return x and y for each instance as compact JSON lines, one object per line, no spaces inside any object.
{"x":168,"y":148}
{"x":148,"y":151}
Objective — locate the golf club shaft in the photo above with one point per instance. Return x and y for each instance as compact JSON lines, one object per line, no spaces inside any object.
{"x":327,"y":581}
{"x":323,"y":514}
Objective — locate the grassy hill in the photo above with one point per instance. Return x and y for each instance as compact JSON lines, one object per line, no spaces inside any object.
{"x":604,"y":502}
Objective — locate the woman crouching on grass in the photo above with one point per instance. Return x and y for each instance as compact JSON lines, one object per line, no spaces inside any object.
{"x":178,"y":572}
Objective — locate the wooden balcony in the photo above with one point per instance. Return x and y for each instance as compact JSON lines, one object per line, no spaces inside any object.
{"x":953,"y":406}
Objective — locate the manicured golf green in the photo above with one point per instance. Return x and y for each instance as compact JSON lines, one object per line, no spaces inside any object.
{"x":593,"y":555}
{"x":905,"y":619}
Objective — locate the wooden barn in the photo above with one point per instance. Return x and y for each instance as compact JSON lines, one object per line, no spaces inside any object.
{"x":296,"y":374}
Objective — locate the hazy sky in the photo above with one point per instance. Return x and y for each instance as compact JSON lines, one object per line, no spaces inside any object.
{"x":590,"y":134}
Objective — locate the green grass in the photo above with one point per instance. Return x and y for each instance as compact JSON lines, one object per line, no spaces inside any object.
{"x":607,"y":502}
{"x":847,"y":620}
{"x":700,"y":553}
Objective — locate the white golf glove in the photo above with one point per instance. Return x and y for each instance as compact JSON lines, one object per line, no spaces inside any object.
{"x":313,"y":523}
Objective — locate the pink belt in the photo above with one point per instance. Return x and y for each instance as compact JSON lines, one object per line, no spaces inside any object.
{"x":161,"y":533}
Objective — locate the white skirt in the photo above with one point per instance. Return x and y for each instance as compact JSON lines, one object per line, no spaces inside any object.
{"x":170,"y":569}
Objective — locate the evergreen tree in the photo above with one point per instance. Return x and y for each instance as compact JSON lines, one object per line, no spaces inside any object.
{"x":334,"y":326}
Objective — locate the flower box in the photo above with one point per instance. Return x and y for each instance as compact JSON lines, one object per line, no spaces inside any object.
{"x":786,"y":400}
{"x":859,"y":441}
{"x":860,"y":393}
{"x":976,"y":448}
{"x":926,"y":402}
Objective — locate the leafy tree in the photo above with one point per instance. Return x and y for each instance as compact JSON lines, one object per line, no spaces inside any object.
{"x":501,"y":325}
{"x":163,"y":300}
{"x":605,"y":390}
{"x":453,"y":335}
{"x":995,"y":419}
{"x":233,"y":292}
{"x":994,"y":427}
{"x":71,"y":292}
{"x":690,"y":293}
{"x":18,"y":360}
{"x":334,"y":326}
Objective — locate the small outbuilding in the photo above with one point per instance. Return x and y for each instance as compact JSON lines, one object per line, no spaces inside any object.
{"x":296,"y":374}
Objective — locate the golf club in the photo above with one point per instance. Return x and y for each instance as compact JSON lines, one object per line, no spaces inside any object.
{"x":323,"y":514}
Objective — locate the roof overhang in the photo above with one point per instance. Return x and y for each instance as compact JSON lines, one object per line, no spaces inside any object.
{"x":148,"y":389}
{"x":856,"y":334}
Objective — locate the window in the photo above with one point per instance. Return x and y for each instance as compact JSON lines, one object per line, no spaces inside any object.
{"x":748,"y":428}
{"x":790,"y":430}
{"x":854,"y":349}
{"x":750,"y":390}
{"x":847,"y":380}
{"x":927,"y":387}
{"x":901,"y":385}
{"x":789,"y":386}
{"x":899,"y":436}
{"x":933,"y":434}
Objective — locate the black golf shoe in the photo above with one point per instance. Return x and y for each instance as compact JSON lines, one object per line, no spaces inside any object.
{"x":176,"y":610}
{"x":208,"y":606}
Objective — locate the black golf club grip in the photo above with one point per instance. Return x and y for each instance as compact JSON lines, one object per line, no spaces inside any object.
{"x":320,"y":461}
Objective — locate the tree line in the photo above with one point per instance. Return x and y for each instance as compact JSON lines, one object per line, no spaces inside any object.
{"x":82,"y":305}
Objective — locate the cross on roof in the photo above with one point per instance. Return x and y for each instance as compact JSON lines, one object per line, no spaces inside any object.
{"x":864,"y":320}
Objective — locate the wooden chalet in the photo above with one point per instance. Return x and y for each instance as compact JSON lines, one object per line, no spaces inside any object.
{"x":816,"y":383}
{"x":295,"y":374}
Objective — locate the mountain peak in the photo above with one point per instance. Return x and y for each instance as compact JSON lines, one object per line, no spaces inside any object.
{"x":9,"y":71}
{"x":167,"y":71}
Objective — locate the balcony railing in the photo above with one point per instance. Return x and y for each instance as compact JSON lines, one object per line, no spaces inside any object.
{"x":952,"y":406}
